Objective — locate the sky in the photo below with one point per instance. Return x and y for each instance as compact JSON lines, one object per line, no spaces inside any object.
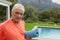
{"x":56,"y":1}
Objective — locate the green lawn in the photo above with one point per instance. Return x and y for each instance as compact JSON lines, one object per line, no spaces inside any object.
{"x":29,"y":26}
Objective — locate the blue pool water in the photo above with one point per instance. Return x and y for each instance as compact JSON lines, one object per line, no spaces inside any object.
{"x":52,"y":33}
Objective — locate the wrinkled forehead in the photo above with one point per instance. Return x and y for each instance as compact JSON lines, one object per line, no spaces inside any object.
{"x":18,"y":8}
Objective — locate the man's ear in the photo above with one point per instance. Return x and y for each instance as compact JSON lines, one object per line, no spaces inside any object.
{"x":11,"y":13}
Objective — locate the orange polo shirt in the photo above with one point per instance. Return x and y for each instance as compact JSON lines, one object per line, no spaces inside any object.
{"x":12,"y":31}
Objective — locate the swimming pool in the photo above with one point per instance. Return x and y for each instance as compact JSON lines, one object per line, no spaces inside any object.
{"x":47,"y":33}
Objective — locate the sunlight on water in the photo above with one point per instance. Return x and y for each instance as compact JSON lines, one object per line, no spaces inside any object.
{"x":52,"y":34}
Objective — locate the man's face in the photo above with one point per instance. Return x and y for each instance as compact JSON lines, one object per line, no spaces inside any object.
{"x":17,"y":14}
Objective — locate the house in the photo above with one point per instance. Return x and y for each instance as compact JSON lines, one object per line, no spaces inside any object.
{"x":7,"y":5}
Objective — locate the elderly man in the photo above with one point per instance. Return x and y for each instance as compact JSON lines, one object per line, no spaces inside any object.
{"x":14,"y":28}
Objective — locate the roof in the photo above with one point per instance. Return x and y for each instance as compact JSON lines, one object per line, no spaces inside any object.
{"x":4,"y":2}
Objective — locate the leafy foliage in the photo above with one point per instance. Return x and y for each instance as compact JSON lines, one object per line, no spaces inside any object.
{"x":31,"y":13}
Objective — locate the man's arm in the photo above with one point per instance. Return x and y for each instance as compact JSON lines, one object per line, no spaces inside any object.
{"x":1,"y":33}
{"x":27,"y":38}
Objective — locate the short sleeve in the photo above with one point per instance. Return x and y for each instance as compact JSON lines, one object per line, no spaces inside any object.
{"x":1,"y":33}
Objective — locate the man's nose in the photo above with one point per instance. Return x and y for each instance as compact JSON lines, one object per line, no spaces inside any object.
{"x":19,"y":15}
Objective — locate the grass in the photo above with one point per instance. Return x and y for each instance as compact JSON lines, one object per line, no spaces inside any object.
{"x":29,"y":26}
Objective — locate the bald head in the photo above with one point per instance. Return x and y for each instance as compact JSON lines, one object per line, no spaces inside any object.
{"x":18,"y":6}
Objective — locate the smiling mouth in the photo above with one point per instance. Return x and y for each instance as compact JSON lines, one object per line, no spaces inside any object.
{"x":18,"y":18}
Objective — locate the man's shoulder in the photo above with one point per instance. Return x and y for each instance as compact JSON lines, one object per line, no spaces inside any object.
{"x":22,"y":21}
{"x":5,"y":22}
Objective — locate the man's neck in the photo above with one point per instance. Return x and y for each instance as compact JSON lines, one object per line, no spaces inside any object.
{"x":14,"y":21}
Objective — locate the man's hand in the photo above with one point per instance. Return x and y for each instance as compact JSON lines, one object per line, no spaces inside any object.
{"x":28,"y":38}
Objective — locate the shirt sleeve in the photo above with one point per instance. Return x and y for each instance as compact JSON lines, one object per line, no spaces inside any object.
{"x":1,"y":33}
{"x":23,"y":25}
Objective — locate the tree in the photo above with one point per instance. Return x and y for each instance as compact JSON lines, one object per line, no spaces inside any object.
{"x":13,"y":2}
{"x":45,"y":16}
{"x":54,"y":15}
{"x":31,"y":13}
{"x":2,"y":13}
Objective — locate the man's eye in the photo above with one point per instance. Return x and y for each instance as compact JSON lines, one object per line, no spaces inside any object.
{"x":21,"y":14}
{"x":17,"y":12}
